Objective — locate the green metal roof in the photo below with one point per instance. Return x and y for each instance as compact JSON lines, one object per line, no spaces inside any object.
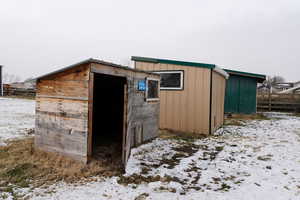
{"x":260,"y":77}
{"x":240,"y":73}
{"x":174,"y":62}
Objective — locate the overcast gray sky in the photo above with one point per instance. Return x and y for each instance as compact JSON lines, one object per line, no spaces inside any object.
{"x":260,"y":36}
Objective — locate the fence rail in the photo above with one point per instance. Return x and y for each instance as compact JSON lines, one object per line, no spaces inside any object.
{"x":278,"y":102}
{"x":10,"y":91}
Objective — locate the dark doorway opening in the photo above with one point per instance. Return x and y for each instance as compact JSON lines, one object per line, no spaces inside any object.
{"x":108,"y":118}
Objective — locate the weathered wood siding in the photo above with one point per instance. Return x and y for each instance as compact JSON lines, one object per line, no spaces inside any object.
{"x":62,"y":113}
{"x":218,"y":98}
{"x":142,"y":116}
{"x":188,"y":109}
{"x":65,"y":104}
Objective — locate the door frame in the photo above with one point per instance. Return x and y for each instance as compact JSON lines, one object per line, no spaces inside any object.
{"x":90,"y":117}
{"x":125,"y":138}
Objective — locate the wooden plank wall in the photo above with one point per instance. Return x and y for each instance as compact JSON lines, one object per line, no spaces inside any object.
{"x":184,"y":110}
{"x":62,"y":113}
{"x":218,"y":99}
{"x":10,"y":91}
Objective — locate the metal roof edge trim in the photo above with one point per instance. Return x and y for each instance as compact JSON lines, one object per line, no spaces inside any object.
{"x":174,"y":62}
{"x":92,"y":60}
{"x":248,"y":74}
{"x":222,"y":72}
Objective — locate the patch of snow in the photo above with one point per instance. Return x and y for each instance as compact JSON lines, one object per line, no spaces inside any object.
{"x":259,"y":160}
{"x":16,"y":116}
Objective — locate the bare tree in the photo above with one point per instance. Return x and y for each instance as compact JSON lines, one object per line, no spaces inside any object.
{"x":278,"y":79}
{"x":10,"y":78}
{"x":271,"y":82}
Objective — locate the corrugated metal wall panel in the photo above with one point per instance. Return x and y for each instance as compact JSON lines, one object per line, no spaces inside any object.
{"x":218,"y":95}
{"x":232,"y":95}
{"x":184,"y":110}
{"x":247,"y":95}
{"x":240,"y":95}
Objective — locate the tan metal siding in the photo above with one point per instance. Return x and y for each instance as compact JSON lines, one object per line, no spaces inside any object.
{"x":184,"y":110}
{"x":218,"y":98}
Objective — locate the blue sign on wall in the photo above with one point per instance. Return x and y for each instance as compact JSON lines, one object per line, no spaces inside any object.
{"x":142,"y":85}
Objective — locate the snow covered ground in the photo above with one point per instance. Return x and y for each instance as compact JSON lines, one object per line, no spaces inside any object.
{"x":16,"y":117}
{"x":258,"y":160}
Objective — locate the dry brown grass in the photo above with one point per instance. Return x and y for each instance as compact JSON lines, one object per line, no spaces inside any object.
{"x":20,"y":97}
{"x":240,"y":119}
{"x":258,"y":116}
{"x":22,"y":165}
{"x":169,"y":134}
{"x":296,"y":114}
{"x":233,"y":122}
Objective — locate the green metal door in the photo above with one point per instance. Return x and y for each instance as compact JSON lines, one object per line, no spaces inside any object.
{"x":240,"y":95}
{"x":247,"y":95}
{"x":232,"y":95}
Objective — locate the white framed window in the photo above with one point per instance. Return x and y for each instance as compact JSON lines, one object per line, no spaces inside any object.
{"x":171,"y":79}
{"x":152,"y":89}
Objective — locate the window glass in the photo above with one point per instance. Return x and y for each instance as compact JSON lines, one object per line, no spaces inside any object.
{"x":152,"y":92}
{"x":171,"y":80}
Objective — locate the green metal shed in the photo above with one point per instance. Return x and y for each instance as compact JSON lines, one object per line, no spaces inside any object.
{"x":241,"y":91}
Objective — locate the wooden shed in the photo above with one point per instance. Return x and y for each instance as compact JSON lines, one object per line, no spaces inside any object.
{"x":94,"y":104}
{"x":241,"y":92}
{"x":191,"y":94}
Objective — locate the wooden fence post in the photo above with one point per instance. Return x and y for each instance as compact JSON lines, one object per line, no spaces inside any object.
{"x":270,"y":101}
{"x":294,"y":99}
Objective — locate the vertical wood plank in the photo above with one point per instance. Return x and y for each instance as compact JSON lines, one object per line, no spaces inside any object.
{"x":124,"y":139}
{"x":90,"y":115}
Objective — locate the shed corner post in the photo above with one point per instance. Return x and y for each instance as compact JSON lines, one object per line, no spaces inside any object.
{"x":36,"y":120}
{"x":127,"y":143}
{"x":210,"y":101}
{"x":90,"y":115}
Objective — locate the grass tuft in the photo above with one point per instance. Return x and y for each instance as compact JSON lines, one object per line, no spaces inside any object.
{"x":184,"y":136}
{"x":257,"y":116}
{"x":296,"y":114}
{"x":23,"y":166}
